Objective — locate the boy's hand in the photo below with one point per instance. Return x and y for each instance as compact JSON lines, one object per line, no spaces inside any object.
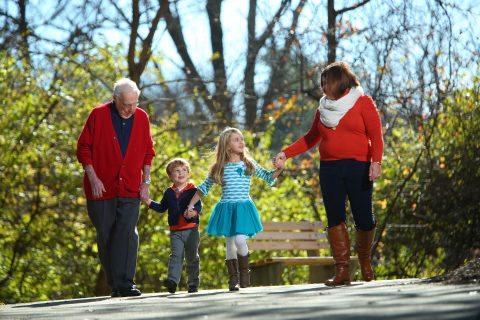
{"x":147,"y":201}
{"x":190,"y":212}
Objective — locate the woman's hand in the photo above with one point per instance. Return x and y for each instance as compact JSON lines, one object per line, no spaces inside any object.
{"x":279,"y":160}
{"x":375,"y":171}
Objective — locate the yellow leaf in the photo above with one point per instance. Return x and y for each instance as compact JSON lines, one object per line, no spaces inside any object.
{"x":215,"y":56}
{"x":26,"y":218}
{"x":382,"y":203}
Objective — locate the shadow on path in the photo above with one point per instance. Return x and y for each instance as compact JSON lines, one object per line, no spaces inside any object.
{"x":61,"y":302}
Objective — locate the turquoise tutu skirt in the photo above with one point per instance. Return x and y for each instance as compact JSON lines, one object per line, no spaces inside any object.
{"x":230,"y":218}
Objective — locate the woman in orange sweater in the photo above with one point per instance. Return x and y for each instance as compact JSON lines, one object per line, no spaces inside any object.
{"x":348,"y":130}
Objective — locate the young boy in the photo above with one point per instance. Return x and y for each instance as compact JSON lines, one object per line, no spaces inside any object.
{"x":184,"y":235}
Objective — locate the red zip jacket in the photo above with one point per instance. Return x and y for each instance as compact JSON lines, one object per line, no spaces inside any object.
{"x":98,"y":145}
{"x":357,"y":136}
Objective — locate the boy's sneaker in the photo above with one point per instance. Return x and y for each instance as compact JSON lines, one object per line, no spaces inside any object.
{"x":170,"y":285}
{"x":192,"y":289}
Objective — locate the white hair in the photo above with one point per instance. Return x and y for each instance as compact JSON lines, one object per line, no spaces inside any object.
{"x":123,"y":85}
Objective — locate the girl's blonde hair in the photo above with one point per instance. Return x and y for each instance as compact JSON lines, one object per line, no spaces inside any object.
{"x":222,"y":154}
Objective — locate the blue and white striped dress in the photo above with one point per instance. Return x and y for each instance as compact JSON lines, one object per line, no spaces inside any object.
{"x":235,"y":213}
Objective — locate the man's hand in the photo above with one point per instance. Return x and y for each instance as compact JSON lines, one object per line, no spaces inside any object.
{"x":97,"y":187}
{"x":144,"y":193}
{"x":147,"y":201}
{"x":95,"y":183}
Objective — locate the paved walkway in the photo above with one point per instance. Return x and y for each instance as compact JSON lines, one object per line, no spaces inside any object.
{"x":390,"y":299}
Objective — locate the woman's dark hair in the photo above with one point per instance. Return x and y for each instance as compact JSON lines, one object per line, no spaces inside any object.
{"x":336,"y":78}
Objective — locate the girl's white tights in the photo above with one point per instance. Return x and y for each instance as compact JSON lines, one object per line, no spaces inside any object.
{"x":236,"y":245}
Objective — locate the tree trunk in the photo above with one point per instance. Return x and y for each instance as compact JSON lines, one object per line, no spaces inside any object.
{"x":222,"y":96}
{"x":331,"y":32}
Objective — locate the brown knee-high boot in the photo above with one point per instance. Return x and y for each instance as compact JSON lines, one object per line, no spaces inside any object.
{"x":244,"y":271}
{"x":364,"y":250}
{"x":232,"y":268}
{"x":340,"y":246}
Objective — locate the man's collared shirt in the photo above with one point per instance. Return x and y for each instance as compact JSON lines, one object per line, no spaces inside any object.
{"x":123,"y":128}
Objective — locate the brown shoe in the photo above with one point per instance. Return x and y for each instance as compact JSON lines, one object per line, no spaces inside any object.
{"x":340,"y":246}
{"x":232,"y":268}
{"x":244,"y":271}
{"x":364,"y":250}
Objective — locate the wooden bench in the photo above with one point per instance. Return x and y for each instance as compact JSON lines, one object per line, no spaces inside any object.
{"x":293,"y":236}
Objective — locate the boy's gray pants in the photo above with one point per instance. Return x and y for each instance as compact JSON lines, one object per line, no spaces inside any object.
{"x":117,"y":238}
{"x":184,"y":243}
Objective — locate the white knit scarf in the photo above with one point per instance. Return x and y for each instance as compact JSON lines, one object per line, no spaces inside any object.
{"x":332,"y":111}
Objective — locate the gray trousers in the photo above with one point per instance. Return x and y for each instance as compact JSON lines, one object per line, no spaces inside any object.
{"x":184,"y":243}
{"x":115,"y":221}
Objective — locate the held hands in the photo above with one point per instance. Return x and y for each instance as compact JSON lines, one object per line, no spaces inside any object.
{"x":144,"y":193}
{"x":190,"y":212}
{"x":375,"y":171}
{"x":146,"y":201}
{"x":279,"y":160}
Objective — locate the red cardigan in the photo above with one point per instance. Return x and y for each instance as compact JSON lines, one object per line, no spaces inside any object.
{"x":98,"y":145}
{"x":357,"y":136}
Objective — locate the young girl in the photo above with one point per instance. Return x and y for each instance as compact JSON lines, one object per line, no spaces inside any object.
{"x":235,"y":215}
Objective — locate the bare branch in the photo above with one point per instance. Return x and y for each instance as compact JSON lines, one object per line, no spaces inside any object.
{"x":174,"y":28}
{"x":254,"y":46}
{"x":135,"y":22}
{"x":355,"y":6}
{"x":120,"y":12}
{"x":282,"y":60}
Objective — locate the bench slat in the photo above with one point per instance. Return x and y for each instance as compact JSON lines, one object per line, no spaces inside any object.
{"x":275,"y":235}
{"x":301,"y":225}
{"x":297,"y":261}
{"x":283,"y":245}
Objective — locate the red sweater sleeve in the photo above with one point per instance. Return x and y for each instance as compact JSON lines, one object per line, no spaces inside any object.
{"x":308,"y":141}
{"x":84,"y":143}
{"x":150,"y":153}
{"x":373,"y":127}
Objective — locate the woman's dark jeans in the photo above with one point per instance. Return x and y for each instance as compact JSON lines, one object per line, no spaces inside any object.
{"x":342,"y":178}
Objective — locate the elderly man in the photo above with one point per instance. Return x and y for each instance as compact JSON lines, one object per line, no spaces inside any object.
{"x":116,"y":150}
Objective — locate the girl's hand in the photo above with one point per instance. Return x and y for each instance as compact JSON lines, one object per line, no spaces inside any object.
{"x":375,"y":170}
{"x":279,"y":160}
{"x":189,"y":210}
